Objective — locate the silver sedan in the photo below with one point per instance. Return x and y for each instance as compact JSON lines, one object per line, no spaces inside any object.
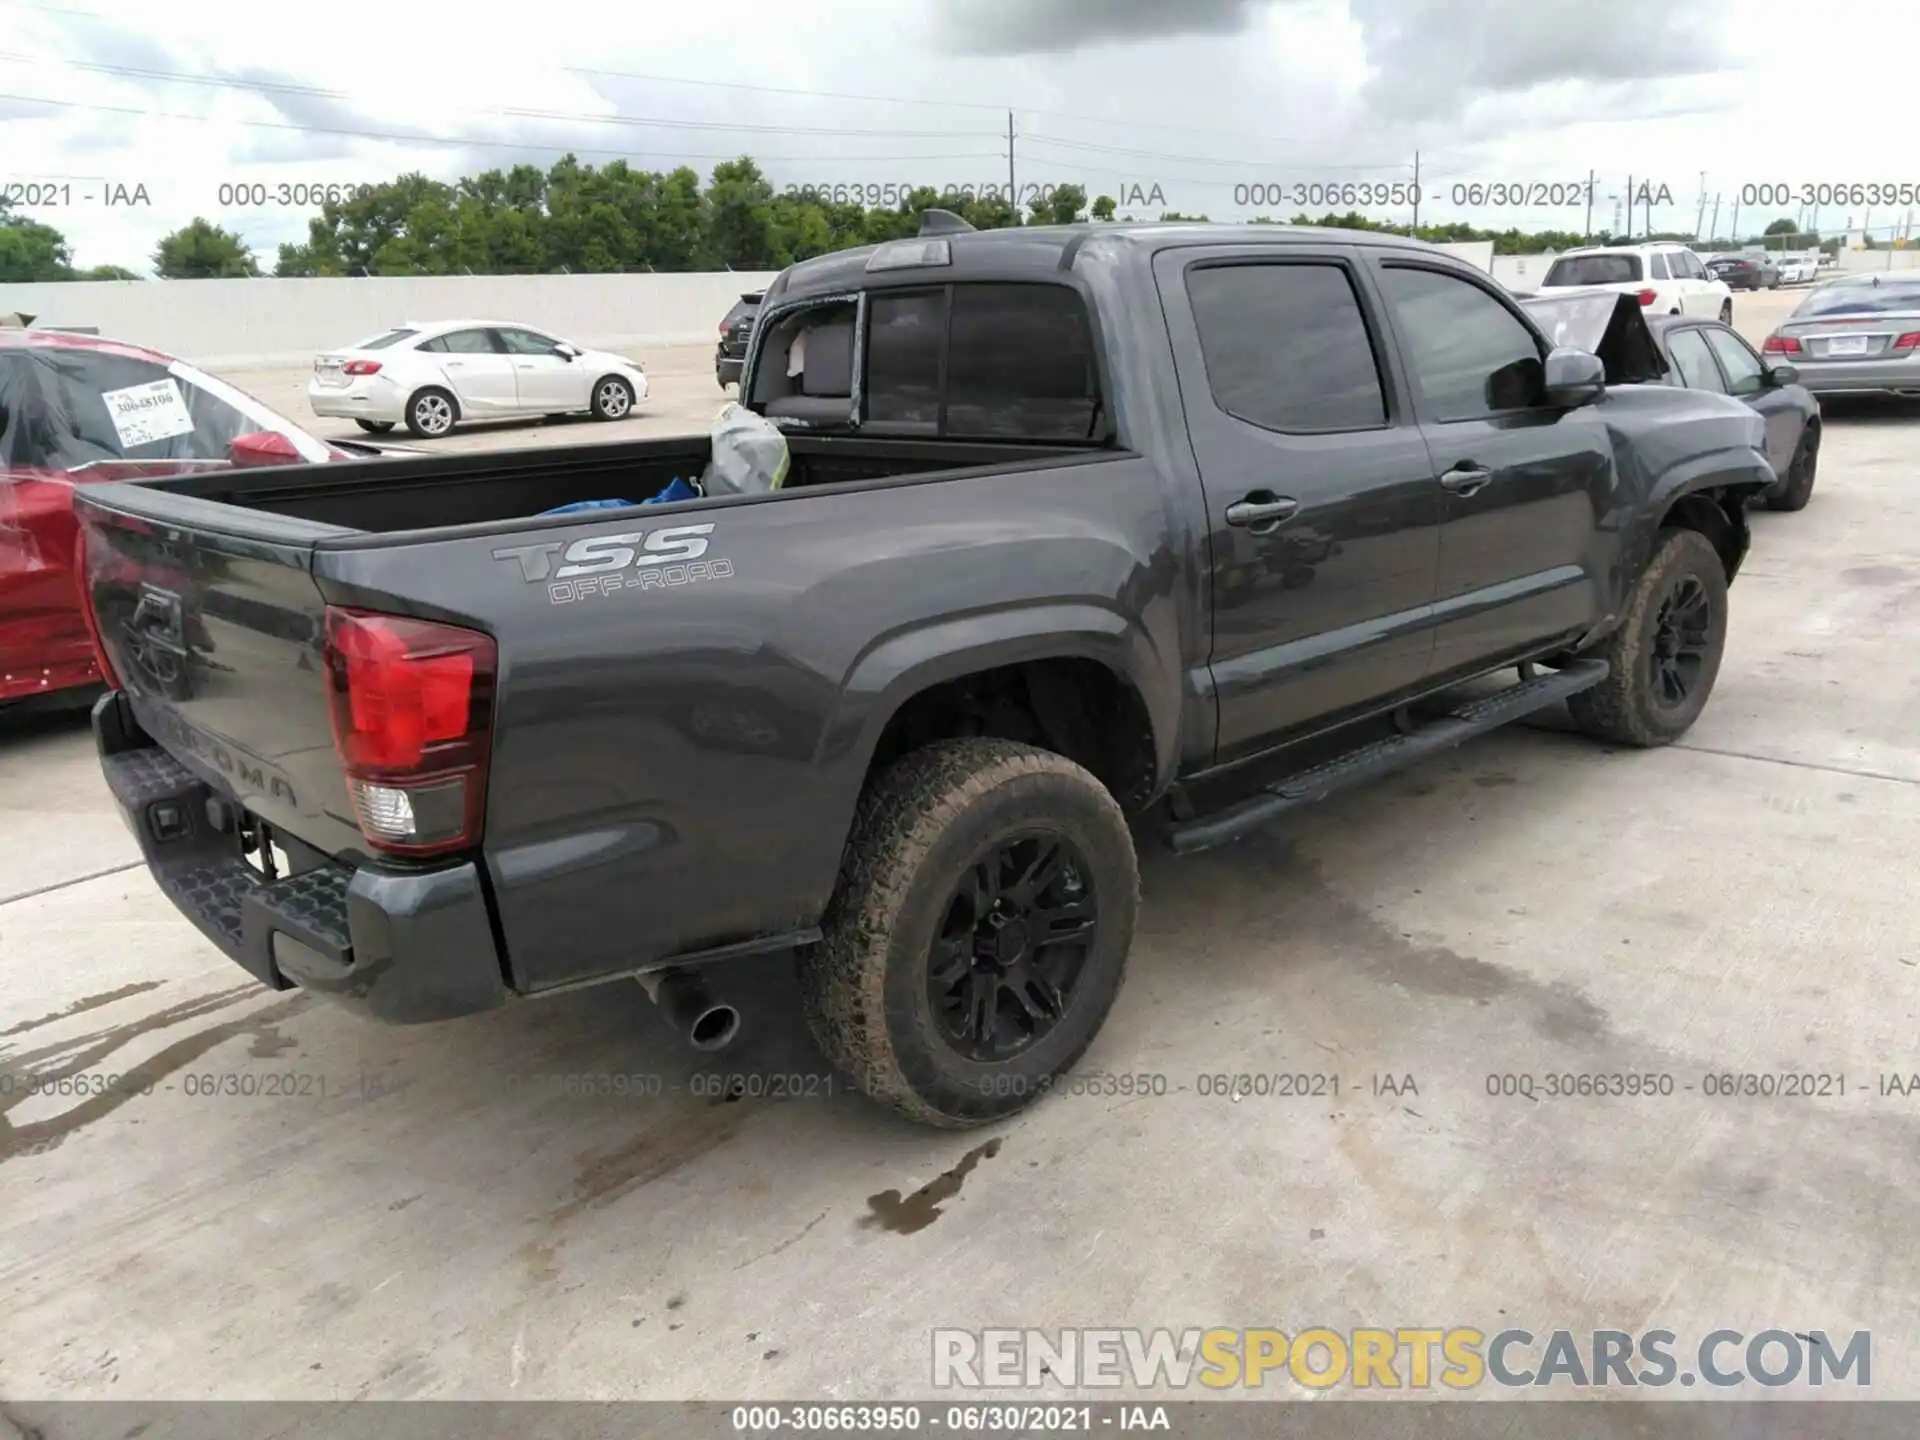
{"x":1859,"y":335}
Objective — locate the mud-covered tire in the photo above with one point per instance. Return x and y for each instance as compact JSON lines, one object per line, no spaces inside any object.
{"x":1627,"y":708}
{"x":919,"y":830}
{"x":1796,"y":486}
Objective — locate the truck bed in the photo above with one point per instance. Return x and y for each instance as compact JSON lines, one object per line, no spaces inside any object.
{"x":442,"y":492}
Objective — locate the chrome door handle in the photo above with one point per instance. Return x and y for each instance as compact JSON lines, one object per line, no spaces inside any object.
{"x":455,"y":364}
{"x":1464,"y":480}
{"x":1261,"y":511}
{"x":524,"y":365}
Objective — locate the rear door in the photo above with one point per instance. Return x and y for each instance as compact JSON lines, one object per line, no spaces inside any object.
{"x":476,"y":365}
{"x":544,"y":379}
{"x":1323,"y":509}
{"x":1524,"y":484}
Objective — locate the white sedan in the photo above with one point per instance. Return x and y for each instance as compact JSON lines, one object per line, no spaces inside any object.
{"x":430,"y":377}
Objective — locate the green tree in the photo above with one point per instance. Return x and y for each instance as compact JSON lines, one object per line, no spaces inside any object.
{"x":1103,"y":208}
{"x":200,"y":250}
{"x":740,"y":215}
{"x":1061,"y":207}
{"x":30,"y":251}
{"x":1782,"y":226}
{"x":109,"y":272}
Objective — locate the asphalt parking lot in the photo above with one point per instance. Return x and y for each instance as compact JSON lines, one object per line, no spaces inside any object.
{"x":307,"y":1206}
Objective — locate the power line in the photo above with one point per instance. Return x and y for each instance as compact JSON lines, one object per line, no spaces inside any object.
{"x":1087,"y":145}
{"x":465,"y":144}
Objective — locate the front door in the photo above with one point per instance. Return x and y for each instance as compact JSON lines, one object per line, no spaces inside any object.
{"x":1746,"y":376}
{"x":547,"y":381}
{"x":1323,"y":511}
{"x":1526,"y":485}
{"x":480,"y":374}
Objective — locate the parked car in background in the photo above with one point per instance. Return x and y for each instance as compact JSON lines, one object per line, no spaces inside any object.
{"x":77,"y":410}
{"x":1745,"y":272}
{"x":1857,"y":335}
{"x":432,"y":376}
{"x":735,"y":331}
{"x":1706,"y":355}
{"x":1798,"y":269}
{"x":1665,"y":279}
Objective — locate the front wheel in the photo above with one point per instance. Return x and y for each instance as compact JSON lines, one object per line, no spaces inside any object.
{"x":1664,"y":657}
{"x":612,"y":399}
{"x":1796,"y":486}
{"x":979,"y":933}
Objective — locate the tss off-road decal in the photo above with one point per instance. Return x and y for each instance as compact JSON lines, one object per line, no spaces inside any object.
{"x":604,"y":564}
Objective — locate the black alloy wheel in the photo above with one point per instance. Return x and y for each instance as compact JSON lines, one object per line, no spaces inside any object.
{"x":1014,"y":938}
{"x":1682,"y":640}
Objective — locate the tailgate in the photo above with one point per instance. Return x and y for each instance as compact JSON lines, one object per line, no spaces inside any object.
{"x":211,"y":619}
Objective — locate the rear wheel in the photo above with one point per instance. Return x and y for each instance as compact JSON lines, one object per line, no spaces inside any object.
{"x":612,"y":398}
{"x":1796,"y":486}
{"x":375,"y":427}
{"x":1666,"y":654}
{"x":431,"y":413}
{"x":979,"y":934}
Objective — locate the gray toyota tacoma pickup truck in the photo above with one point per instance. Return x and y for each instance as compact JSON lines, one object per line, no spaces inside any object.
{"x":1087,"y":532}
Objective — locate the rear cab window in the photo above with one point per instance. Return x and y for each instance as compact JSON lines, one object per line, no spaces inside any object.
{"x":1594,"y":270}
{"x":966,"y":360}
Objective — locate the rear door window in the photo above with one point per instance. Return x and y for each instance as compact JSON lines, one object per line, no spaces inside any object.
{"x":1286,"y":347}
{"x":469,"y":342}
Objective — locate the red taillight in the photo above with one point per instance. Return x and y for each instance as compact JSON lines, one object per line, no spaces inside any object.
{"x":723,"y":327}
{"x":412,"y":710}
{"x":83,"y":576}
{"x":1781,"y":345}
{"x":1648,"y":296}
{"x":1908,"y":341}
{"x":360,"y":367}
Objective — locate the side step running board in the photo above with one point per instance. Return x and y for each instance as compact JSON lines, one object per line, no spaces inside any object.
{"x":1370,"y":761}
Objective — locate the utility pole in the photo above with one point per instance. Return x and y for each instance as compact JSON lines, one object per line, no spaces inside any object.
{"x":1629,"y":234}
{"x":1590,"y":178}
{"x":1416,"y":192}
{"x":1649,"y":190}
{"x":1013,"y":190}
{"x":1736,"y":219}
{"x":1715,"y":227}
{"x":1701,"y":218}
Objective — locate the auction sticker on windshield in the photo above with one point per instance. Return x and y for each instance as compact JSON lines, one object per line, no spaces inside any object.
{"x":143,"y":414}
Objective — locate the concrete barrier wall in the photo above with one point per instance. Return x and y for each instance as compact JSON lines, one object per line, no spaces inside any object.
{"x":267,"y":322}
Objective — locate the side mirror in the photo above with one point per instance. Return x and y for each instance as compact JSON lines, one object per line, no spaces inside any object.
{"x":262,"y":447}
{"x":1573,"y":377}
{"x":566,"y":351}
{"x":1778,"y":375}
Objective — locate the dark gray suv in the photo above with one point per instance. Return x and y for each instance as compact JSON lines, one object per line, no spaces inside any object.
{"x":735,"y":331}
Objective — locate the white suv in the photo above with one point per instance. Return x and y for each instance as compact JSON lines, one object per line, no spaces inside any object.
{"x":1667,"y":279}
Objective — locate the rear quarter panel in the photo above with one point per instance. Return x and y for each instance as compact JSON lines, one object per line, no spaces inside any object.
{"x":676,"y":759}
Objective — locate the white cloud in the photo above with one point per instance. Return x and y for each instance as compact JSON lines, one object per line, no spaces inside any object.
{"x":1195,"y":99}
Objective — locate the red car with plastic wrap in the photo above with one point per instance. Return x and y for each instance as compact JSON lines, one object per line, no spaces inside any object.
{"x":77,"y":409}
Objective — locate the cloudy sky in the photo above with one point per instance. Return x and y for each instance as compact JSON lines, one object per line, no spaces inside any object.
{"x":1164,"y":104}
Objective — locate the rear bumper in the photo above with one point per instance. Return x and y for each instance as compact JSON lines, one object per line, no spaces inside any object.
{"x":374,"y":398}
{"x":404,"y":947}
{"x":726,"y":368}
{"x":1858,"y":377}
